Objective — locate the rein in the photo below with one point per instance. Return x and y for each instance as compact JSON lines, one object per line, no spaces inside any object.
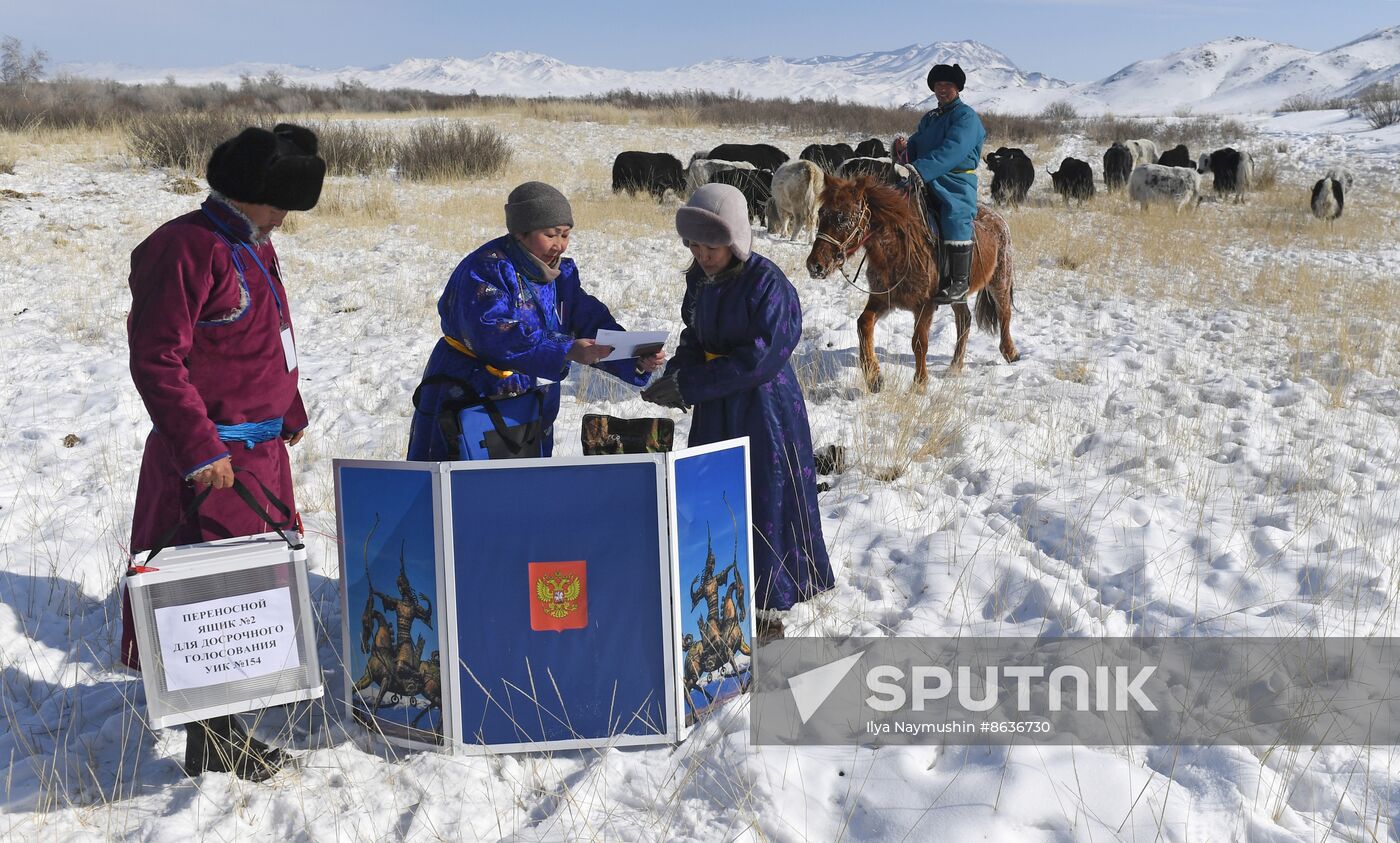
{"x":845,"y":249}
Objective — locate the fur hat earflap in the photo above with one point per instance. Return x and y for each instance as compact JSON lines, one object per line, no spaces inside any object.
{"x":717,"y":215}
{"x":947,"y":73}
{"x":278,"y":168}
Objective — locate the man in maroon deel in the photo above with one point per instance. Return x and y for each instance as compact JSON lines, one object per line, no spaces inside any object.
{"x":213,"y":355}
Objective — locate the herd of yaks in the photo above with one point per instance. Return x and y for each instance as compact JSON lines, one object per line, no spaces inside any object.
{"x":783,"y":194}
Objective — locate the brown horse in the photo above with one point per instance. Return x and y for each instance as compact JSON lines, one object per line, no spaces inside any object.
{"x":863,"y":212}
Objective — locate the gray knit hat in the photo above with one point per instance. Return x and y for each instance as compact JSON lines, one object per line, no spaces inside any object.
{"x":717,"y":215}
{"x":534,"y":205}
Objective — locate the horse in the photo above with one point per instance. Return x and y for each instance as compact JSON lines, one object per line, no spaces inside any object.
{"x":864,"y":213}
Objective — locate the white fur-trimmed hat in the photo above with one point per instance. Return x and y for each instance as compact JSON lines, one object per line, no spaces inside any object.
{"x":717,"y":215}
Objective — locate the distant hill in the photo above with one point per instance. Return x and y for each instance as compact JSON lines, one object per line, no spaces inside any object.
{"x":1228,"y":75}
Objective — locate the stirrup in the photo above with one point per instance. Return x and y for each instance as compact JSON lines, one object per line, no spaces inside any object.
{"x":951,"y":294}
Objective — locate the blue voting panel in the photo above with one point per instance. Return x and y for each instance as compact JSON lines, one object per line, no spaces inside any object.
{"x":715,"y":580}
{"x":393,"y":654}
{"x":562,"y":602}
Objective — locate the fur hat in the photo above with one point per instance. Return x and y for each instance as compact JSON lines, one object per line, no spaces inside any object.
{"x":535,"y":205}
{"x":717,"y":215}
{"x":947,"y":73}
{"x":278,"y":168}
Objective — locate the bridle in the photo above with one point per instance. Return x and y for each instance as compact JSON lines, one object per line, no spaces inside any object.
{"x":852,"y":243}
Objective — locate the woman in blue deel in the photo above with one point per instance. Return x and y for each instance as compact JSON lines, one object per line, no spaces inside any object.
{"x":514,"y":313}
{"x":742,"y":321}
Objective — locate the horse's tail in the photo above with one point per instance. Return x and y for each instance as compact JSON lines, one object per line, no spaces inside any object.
{"x":989,"y":315}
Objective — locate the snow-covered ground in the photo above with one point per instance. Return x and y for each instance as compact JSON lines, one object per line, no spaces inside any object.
{"x":1199,"y":439}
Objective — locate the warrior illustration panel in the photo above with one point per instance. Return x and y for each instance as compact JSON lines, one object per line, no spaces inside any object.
{"x":395,"y":658}
{"x":715,"y":591}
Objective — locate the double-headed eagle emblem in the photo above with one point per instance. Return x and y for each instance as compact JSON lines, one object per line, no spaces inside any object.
{"x":559,"y":593}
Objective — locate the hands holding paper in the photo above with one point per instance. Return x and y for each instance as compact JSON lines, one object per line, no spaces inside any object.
{"x":651,"y":362}
{"x":588,"y":352}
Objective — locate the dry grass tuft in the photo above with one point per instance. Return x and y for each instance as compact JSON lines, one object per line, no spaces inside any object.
{"x":897,"y":429}
{"x":184,"y":186}
{"x":358,"y":202}
{"x":1073,"y":371}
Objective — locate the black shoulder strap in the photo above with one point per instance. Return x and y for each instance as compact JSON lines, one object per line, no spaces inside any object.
{"x":280,"y":527}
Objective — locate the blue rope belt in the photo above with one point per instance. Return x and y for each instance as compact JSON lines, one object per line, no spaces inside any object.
{"x":251,"y":433}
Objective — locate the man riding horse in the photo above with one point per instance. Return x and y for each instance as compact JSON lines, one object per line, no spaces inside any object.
{"x":945,"y":151}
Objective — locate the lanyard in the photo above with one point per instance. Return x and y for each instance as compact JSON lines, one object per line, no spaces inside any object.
{"x":223,"y":233}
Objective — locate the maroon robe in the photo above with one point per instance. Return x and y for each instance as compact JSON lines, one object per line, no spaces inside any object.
{"x":206,"y":348}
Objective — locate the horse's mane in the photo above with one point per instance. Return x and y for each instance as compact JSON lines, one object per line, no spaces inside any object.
{"x":894,"y":222}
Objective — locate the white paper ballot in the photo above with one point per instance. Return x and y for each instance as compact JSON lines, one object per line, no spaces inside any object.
{"x":626,"y":343}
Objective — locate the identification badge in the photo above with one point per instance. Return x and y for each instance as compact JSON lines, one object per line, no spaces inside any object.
{"x":289,"y":347}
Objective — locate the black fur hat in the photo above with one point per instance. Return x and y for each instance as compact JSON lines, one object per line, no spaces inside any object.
{"x":278,"y":168}
{"x":947,"y":73}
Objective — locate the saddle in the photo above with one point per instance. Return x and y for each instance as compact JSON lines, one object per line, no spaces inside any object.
{"x":922,"y":198}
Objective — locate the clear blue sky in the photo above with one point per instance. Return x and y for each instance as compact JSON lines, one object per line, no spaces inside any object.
{"x":1075,"y":40}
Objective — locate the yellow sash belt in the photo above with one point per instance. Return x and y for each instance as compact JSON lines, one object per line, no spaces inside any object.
{"x":458,"y":345}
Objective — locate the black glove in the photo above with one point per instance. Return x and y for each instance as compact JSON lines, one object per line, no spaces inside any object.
{"x":666,"y":392}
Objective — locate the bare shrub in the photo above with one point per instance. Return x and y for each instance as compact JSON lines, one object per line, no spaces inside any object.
{"x":1379,"y":105}
{"x":1208,"y":131}
{"x":7,"y":164}
{"x":1020,"y":128}
{"x":182,"y":141}
{"x":1109,"y":128}
{"x":352,"y":149}
{"x":1265,"y":172}
{"x":1312,"y":102}
{"x":442,"y":150}
{"x":823,"y":117}
{"x":1059,"y":111}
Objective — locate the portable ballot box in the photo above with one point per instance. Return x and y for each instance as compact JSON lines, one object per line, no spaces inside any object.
{"x":224,"y":627}
{"x":532,"y":604}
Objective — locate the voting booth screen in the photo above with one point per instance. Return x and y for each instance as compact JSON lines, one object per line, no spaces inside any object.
{"x":496,"y":606}
{"x":394,"y":656}
{"x":562,"y":610}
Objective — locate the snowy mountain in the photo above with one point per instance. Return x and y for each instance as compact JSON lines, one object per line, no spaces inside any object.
{"x":894,"y":77}
{"x":1232,"y":75}
{"x":1227,"y":75}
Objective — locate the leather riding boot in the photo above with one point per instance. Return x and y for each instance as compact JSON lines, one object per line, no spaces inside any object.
{"x":952,"y":288}
{"x":222,"y":745}
{"x":203,"y":739}
{"x":263,"y":755}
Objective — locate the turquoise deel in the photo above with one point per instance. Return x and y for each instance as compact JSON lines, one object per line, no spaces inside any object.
{"x":945,"y":150}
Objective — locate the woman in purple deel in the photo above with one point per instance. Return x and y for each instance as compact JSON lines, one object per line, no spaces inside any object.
{"x":742,"y":321}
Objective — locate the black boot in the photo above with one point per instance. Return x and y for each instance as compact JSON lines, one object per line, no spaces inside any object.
{"x":952,"y":288}
{"x":221,"y":745}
